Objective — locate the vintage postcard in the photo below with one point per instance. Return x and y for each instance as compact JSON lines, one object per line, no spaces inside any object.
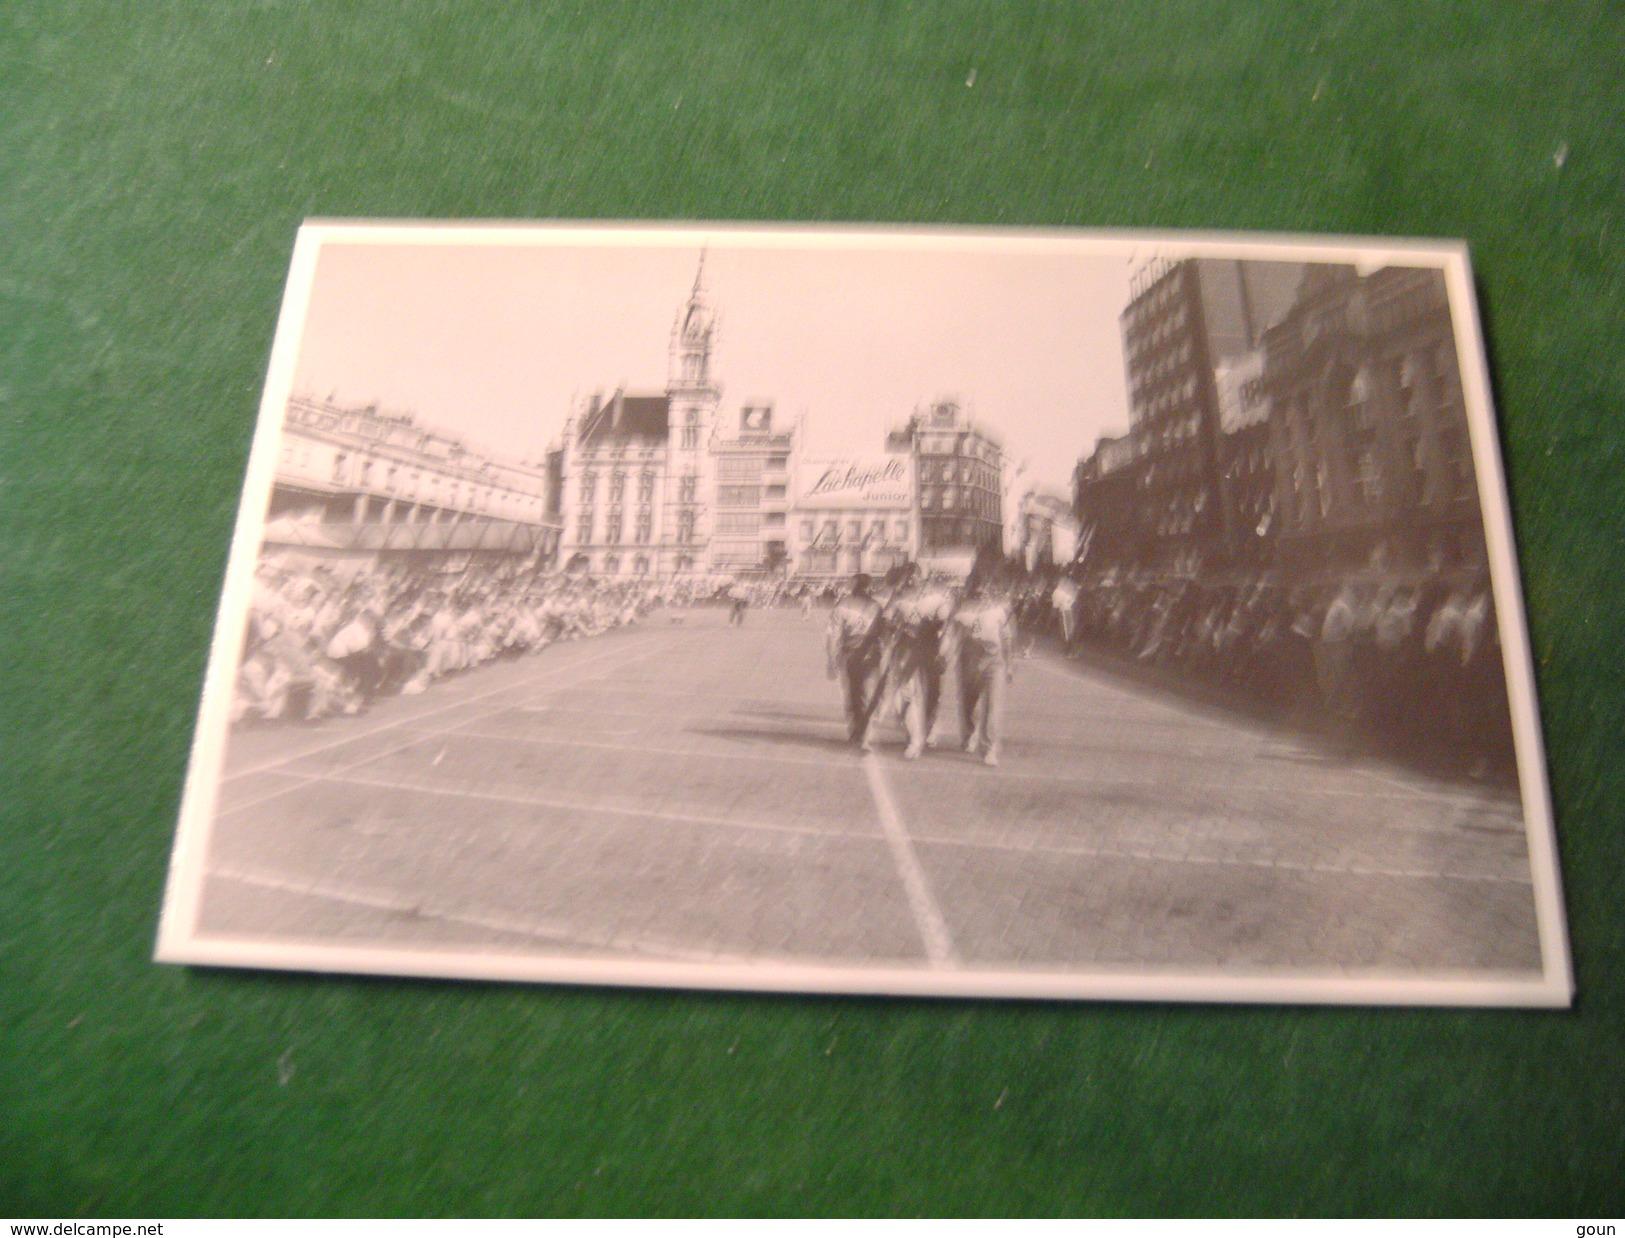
{"x":866,"y":610}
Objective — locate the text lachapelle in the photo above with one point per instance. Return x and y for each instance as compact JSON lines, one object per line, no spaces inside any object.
{"x":853,"y":477}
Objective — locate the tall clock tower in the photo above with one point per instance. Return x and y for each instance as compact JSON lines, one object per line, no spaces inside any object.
{"x":693,"y":395}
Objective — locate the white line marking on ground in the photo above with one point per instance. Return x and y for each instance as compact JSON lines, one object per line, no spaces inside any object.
{"x":430,"y":713}
{"x":1026,"y":845}
{"x":924,"y":767}
{"x":542,"y":801}
{"x":429,"y":910}
{"x":939,"y":946}
{"x":1153,"y":857}
{"x":732,"y":697}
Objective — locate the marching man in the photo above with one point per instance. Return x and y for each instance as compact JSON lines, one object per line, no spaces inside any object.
{"x":852,"y":648}
{"x":916,"y":621}
{"x":984,"y":631}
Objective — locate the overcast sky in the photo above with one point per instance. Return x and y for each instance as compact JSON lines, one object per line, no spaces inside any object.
{"x":496,"y":343}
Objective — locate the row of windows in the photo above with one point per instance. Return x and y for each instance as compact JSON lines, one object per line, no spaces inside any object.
{"x":1155,"y":300}
{"x":738,"y":524}
{"x":1168,"y":397}
{"x":618,"y":450}
{"x":641,"y":529}
{"x":399,"y":481}
{"x":830,"y":530}
{"x":957,"y":469}
{"x":949,"y":498}
{"x":612,"y":565}
{"x":617,"y":485}
{"x":749,"y":467}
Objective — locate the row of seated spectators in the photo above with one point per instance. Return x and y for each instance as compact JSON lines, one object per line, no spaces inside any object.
{"x":322,"y":643}
{"x":1410,"y":665}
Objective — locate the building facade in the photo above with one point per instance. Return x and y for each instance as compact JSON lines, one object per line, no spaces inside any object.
{"x":853,"y":515}
{"x":959,"y":484}
{"x":637,"y":477}
{"x":362,"y":484}
{"x":1049,"y":531}
{"x":1115,"y":520}
{"x":1372,"y":454}
{"x":1187,"y":324}
{"x":752,"y":463}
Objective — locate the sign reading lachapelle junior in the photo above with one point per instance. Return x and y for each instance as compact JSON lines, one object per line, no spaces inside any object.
{"x":865,"y":481}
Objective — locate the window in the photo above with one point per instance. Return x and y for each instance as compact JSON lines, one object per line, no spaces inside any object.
{"x":777,"y":464}
{"x":902,"y":530}
{"x":877,"y":534}
{"x":589,"y":483}
{"x":643,"y":526}
{"x":691,"y":431}
{"x":774,"y":493}
{"x":612,"y":527}
{"x":686,"y":488}
{"x":831,"y":532}
{"x":1368,"y":478}
{"x":584,"y":528}
{"x":854,"y":530}
{"x":617,"y":486}
{"x":685,"y":527}
{"x":773,"y":520}
{"x":339,"y":461}
{"x":806,"y":530}
{"x":737,"y":524}
{"x":739,"y":468}
{"x":646,"y":487}
{"x":612,"y":565}
{"x":640,"y":565}
{"x":738,"y":496}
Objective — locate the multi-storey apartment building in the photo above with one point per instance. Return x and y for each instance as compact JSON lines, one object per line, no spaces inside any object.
{"x":1185,"y":323}
{"x":959,"y":476}
{"x":1372,"y":456}
{"x":363,"y":484}
{"x":751,"y":459}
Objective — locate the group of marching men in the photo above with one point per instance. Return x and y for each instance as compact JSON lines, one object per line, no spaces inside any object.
{"x":890,"y":654}
{"x":320,"y":643}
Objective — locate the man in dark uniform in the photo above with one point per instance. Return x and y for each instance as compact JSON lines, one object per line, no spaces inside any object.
{"x":853,"y":649}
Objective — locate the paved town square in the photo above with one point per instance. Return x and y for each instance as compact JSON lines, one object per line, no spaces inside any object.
{"x":682,"y":790}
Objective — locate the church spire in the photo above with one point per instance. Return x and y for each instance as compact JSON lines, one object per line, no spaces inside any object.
{"x":693,"y":337}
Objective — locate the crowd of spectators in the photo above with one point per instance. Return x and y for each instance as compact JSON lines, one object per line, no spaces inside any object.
{"x":322,"y":641}
{"x":1412,"y":665}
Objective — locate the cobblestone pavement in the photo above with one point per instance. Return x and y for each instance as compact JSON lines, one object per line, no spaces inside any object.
{"x":681,"y":791}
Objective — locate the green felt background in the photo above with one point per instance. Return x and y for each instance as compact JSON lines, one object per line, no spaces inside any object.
{"x":155,"y":160}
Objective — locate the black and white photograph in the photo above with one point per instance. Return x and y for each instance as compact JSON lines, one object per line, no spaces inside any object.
{"x":877,"y":611}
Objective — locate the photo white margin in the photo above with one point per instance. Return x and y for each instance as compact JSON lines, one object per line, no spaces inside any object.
{"x":178,"y":941}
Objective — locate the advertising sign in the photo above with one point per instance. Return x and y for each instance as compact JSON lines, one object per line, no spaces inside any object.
{"x":857,"y":482}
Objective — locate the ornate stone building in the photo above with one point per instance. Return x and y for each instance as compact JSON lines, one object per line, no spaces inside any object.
{"x":636,"y":471}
